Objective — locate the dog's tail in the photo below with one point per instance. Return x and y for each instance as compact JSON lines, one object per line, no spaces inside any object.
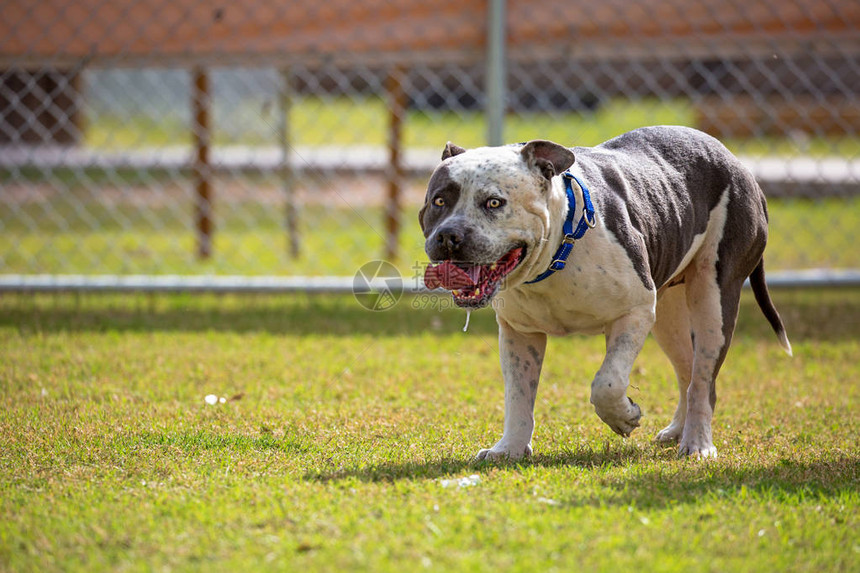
{"x":762,"y":297}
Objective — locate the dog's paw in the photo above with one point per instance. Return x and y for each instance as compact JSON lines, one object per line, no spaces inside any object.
{"x":501,"y":452}
{"x":697,"y":445}
{"x":622,"y":420}
{"x":696,"y":441}
{"x":670,"y":434}
{"x":697,"y":451}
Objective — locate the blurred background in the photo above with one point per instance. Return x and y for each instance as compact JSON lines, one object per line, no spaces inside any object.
{"x":149,"y":139}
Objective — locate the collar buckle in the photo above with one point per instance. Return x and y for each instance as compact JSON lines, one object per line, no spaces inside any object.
{"x":591,"y":221}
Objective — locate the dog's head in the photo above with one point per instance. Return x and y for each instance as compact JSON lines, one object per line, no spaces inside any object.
{"x":485,"y":217}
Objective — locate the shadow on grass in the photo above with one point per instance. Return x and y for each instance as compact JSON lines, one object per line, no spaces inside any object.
{"x":585,"y":458}
{"x":333,"y":315}
{"x":824,"y":315}
{"x":651,"y":477}
{"x":689,"y":481}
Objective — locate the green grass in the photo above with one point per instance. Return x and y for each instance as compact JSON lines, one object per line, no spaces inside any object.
{"x":336,"y":241}
{"x":316,"y":121}
{"x":74,"y":232}
{"x":340,"y":425}
{"x":249,"y":238}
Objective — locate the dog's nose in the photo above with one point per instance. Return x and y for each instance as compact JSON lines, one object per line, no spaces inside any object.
{"x":449,"y":239}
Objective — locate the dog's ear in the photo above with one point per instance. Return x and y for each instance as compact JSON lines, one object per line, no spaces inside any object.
{"x":451,"y":150}
{"x":421,"y":216}
{"x":550,"y":158}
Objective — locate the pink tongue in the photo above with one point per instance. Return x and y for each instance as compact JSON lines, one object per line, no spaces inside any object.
{"x":448,"y":275}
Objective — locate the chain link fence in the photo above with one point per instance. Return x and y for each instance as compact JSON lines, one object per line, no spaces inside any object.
{"x":294,"y":139}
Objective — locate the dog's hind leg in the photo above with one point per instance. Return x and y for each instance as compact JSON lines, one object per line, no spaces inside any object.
{"x":672,"y":332}
{"x":713,"y":313}
{"x":714,"y":279}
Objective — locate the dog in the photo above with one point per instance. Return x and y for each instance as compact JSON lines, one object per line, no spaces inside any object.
{"x":653,"y":231}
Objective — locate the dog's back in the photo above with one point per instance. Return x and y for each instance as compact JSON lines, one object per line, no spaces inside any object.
{"x":665,"y":182}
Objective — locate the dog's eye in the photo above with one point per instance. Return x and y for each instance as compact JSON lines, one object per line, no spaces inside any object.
{"x":494,"y":203}
{"x":439,"y":202}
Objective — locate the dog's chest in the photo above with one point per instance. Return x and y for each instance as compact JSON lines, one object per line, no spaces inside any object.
{"x":598,"y":285}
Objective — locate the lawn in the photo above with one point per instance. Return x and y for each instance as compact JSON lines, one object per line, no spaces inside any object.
{"x":344,"y":121}
{"x":74,"y":233}
{"x":344,"y":433}
{"x":91,"y":221}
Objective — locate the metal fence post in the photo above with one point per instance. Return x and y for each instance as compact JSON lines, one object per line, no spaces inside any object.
{"x":286,"y":171}
{"x":496,"y":72}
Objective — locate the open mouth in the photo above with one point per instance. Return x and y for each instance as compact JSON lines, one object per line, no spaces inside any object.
{"x":472,"y":285}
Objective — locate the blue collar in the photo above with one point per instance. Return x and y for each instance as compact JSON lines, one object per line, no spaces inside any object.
{"x":586,"y":222}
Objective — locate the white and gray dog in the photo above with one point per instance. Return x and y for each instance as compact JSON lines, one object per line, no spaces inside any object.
{"x":653,"y":231}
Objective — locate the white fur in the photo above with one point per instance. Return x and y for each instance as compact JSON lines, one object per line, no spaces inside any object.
{"x":705,"y":311}
{"x":521,"y":377}
{"x":601,"y":293}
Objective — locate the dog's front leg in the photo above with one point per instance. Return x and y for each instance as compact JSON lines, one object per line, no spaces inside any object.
{"x":624,"y":339}
{"x":521,"y":357}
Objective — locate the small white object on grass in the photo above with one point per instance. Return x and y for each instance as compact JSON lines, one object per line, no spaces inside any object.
{"x":473,"y":479}
{"x":468,"y":316}
{"x":211,"y":399}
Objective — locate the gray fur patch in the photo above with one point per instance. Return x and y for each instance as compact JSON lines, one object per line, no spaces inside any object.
{"x":440,"y":185}
{"x":660,"y":184}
